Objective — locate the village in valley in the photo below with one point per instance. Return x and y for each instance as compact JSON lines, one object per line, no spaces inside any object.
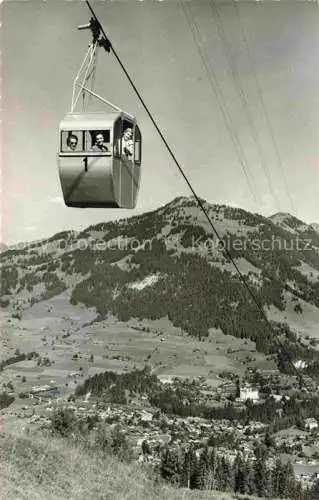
{"x":148,"y":430}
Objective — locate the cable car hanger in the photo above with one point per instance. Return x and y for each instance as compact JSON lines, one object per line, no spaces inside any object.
{"x":89,"y":64}
{"x":100,"y":153}
{"x":95,"y":27}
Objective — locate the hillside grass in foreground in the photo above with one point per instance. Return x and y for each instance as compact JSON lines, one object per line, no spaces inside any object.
{"x":38,"y":468}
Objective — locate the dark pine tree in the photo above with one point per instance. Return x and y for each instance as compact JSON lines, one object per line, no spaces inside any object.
{"x":170,"y":467}
{"x":260,"y":471}
{"x":213,"y":461}
{"x":204,"y":468}
{"x":224,"y":475}
{"x":276,"y":477}
{"x":249,"y":483}
{"x":314,"y":492}
{"x":189,"y":467}
{"x":239,"y":474}
{"x":289,"y":482}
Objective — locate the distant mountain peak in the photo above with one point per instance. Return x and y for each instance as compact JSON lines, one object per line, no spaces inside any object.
{"x":288,"y":222}
{"x":186,"y":201}
{"x":286,"y":217}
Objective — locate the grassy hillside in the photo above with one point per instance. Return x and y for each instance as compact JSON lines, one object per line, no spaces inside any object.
{"x":38,"y":468}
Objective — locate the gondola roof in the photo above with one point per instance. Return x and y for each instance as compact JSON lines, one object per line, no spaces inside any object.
{"x":84,"y":121}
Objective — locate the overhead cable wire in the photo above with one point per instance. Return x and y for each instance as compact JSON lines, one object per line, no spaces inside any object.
{"x":93,"y":75}
{"x":200,"y":204}
{"x":243,"y":98}
{"x":262,"y":100}
{"x":219,"y":97}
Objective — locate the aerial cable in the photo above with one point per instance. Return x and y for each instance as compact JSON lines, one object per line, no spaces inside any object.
{"x":89,"y":62}
{"x":74,"y":98}
{"x":92,"y":75}
{"x":220,"y":100}
{"x":90,"y":79}
{"x":246,"y":43}
{"x":109,"y":47}
{"x":241,"y":92}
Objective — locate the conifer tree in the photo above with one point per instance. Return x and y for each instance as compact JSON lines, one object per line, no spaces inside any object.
{"x":204,"y":469}
{"x":213,"y":469}
{"x":239,"y":474}
{"x":276,"y":474}
{"x":237,"y":395}
{"x":186,"y":469}
{"x":249,"y":483}
{"x":146,"y":448}
{"x":260,"y":470}
{"x":268,"y":491}
{"x":224,"y":475}
{"x":268,"y":440}
{"x":170,"y":467}
{"x":300,"y":494}
{"x":289,"y":481}
{"x":195,"y":479}
{"x":283,"y":480}
{"x":314,"y":493}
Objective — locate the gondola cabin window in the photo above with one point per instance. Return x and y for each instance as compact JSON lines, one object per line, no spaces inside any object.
{"x":117,"y":138}
{"x":71,"y":141}
{"x":127,"y":140}
{"x":124,"y":131}
{"x":137,"y":146}
{"x":98,"y":141}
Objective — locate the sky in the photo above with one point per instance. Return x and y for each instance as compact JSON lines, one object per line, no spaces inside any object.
{"x":234,"y":88}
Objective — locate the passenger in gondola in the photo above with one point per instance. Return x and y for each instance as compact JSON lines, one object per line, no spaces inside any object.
{"x":127,"y":142}
{"x":72,"y":142}
{"x":99,"y":144}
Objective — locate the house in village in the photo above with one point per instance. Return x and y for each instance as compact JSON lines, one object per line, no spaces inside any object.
{"x":248,"y":392}
{"x":311,"y":423}
{"x":300,"y":364}
{"x":44,"y":390}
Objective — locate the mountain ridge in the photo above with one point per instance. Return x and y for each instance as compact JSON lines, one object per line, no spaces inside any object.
{"x":276,"y":219}
{"x":167,"y":262}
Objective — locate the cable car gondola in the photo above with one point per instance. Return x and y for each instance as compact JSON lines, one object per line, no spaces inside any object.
{"x":100,"y":153}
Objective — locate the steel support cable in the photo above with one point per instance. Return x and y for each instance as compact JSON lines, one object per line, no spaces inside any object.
{"x":200,"y":204}
{"x":219,"y":97}
{"x":260,"y":93}
{"x":89,"y":73}
{"x":90,"y":55}
{"x":75,"y":83}
{"x":92,"y":74}
{"x":242,"y":96}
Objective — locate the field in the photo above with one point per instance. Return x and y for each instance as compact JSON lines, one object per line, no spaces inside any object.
{"x":76,"y":348}
{"x":303,"y":324}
